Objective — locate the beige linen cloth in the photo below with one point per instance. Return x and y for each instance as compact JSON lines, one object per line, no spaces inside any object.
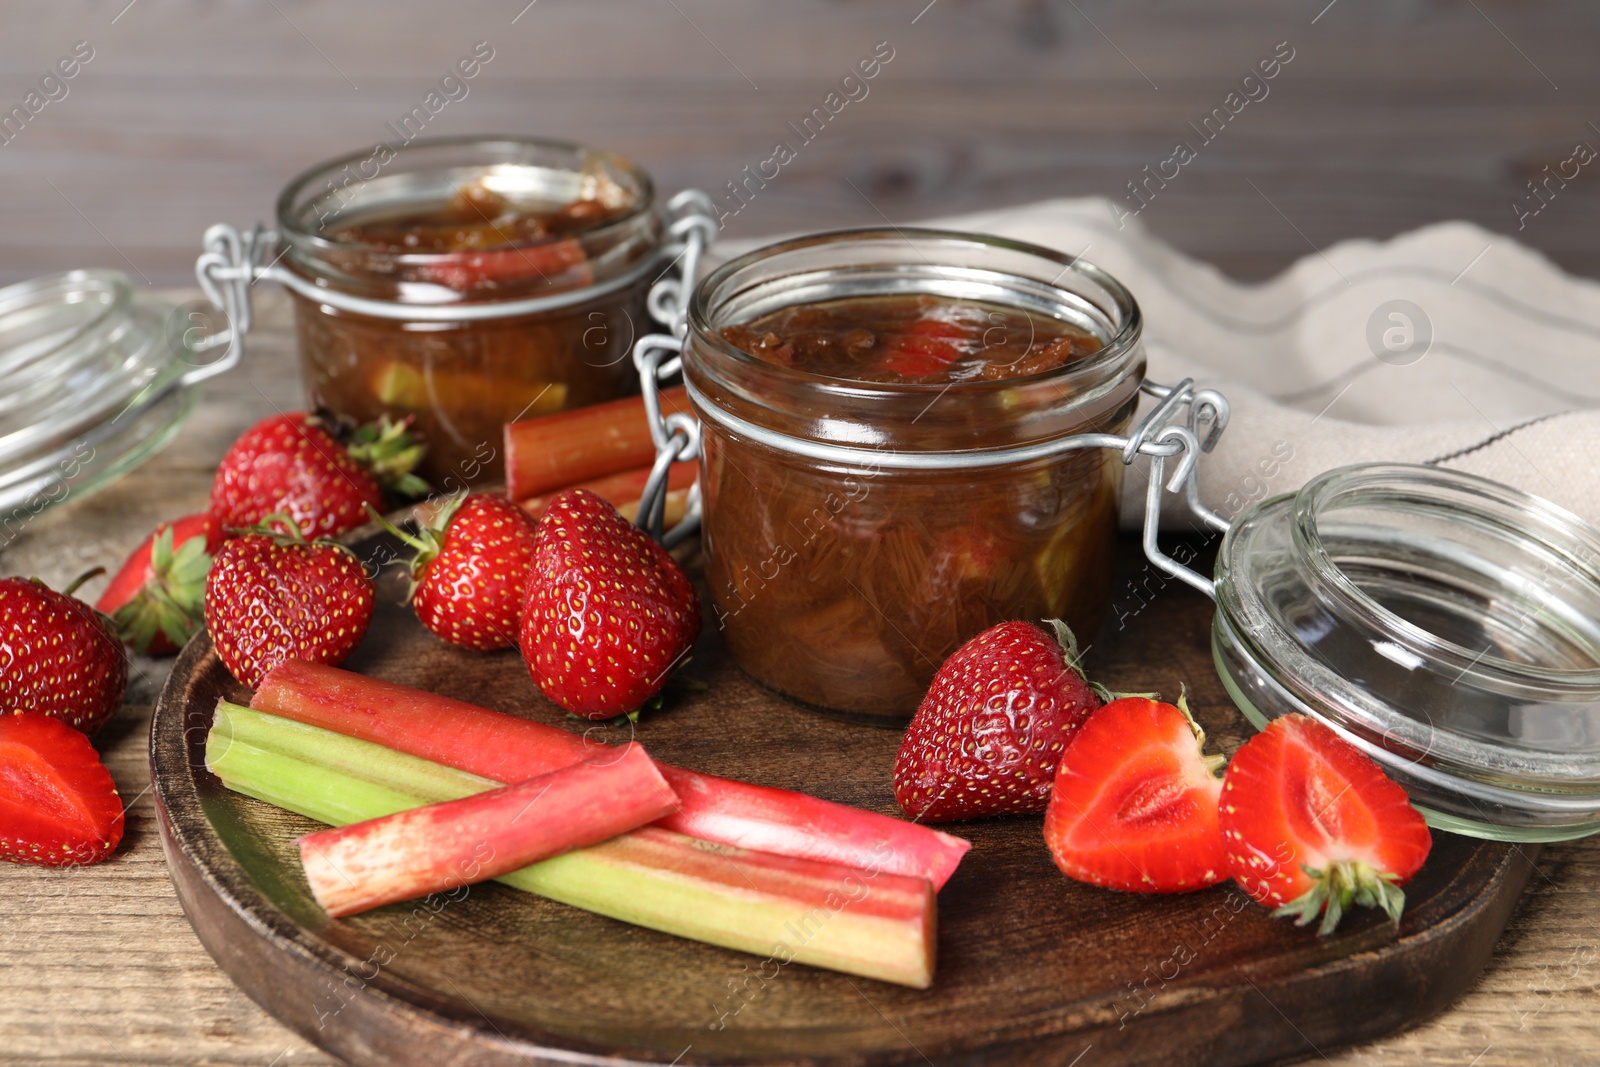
{"x":1493,"y":366}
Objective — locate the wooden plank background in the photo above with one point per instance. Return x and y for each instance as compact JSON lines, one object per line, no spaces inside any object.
{"x":1391,"y":115}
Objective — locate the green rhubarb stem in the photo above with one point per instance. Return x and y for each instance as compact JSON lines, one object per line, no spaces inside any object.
{"x":870,"y":923}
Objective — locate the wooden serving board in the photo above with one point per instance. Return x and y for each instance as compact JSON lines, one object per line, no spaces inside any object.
{"x":1034,"y":968}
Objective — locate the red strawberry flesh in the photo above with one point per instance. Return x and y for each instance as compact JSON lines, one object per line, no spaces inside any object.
{"x":1135,"y":802}
{"x":58,"y":805}
{"x":1312,"y":825}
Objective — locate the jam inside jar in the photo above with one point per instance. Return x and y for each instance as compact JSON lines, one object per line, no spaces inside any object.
{"x":469,"y":283}
{"x":889,"y":464}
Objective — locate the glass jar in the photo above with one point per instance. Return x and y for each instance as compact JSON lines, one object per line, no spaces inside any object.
{"x":856,"y":533}
{"x":1447,"y":625}
{"x":93,"y":381}
{"x":437,"y":336}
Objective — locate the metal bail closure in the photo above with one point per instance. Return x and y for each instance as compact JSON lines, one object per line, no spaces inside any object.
{"x":691,"y":219}
{"x":1205,"y":416}
{"x":233,"y":262}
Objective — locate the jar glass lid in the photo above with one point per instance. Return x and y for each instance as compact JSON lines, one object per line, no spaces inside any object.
{"x":1446,"y":624}
{"x":91,"y":384}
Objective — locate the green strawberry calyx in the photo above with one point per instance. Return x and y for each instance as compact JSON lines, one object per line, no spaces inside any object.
{"x":1074,"y":657}
{"x":428,"y":541}
{"x":1336,"y":887}
{"x":172,"y":599}
{"x":282,"y":529}
{"x":391,"y":453}
{"x":1215,"y":763}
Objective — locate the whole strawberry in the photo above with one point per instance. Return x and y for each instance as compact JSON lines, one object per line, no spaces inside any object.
{"x":59,"y":807}
{"x":274,"y":596}
{"x":609,"y":612}
{"x":470,"y":574}
{"x":990,"y":733}
{"x":291,"y":465}
{"x":1312,"y":826}
{"x":58,"y":655}
{"x":154,"y":600}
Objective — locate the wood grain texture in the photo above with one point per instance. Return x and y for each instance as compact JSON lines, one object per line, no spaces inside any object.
{"x":1393,"y":113}
{"x":1034,"y":969}
{"x":99,"y":966}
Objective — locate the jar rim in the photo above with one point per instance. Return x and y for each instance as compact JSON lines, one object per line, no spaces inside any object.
{"x":1114,"y":348}
{"x":53,"y":289}
{"x":1316,"y":497}
{"x":290,"y":229}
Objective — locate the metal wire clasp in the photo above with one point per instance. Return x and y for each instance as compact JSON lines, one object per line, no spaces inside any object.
{"x":1205,"y":416}
{"x":691,"y":219}
{"x":226,"y":270}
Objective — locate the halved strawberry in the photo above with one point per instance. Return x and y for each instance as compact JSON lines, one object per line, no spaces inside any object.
{"x":154,"y":600}
{"x":1312,"y":825}
{"x":58,"y":805}
{"x":1135,"y":801}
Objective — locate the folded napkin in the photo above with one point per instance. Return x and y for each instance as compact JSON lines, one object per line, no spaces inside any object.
{"x":1491,"y":367}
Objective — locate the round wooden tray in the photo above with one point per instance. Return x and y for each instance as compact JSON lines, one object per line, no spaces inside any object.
{"x":1034,"y":968}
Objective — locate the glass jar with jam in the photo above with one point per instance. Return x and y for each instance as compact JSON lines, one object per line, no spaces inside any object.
{"x":467,"y":283}
{"x":891,"y":458}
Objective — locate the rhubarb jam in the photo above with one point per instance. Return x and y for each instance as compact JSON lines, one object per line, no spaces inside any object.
{"x":491,"y":280}
{"x":932,"y":339}
{"x":893,"y":457}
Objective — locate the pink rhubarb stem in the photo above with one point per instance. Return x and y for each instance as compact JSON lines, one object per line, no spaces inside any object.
{"x":508,"y":748}
{"x":439,"y":847}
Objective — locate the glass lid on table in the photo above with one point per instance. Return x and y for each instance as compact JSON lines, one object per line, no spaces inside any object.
{"x":93,"y":380}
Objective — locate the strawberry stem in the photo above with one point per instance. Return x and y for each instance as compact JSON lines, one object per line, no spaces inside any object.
{"x":72,"y":587}
{"x":400,"y":535}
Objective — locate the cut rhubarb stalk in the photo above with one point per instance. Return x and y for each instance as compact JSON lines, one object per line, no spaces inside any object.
{"x":569,"y":447}
{"x":622,"y":490}
{"x":506,"y":748}
{"x":871,"y":923}
{"x":439,"y":847}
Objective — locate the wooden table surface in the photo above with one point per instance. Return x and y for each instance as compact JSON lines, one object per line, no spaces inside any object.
{"x":1391,"y":115}
{"x":98,"y":965}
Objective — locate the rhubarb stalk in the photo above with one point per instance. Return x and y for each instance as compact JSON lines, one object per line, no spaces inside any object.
{"x":568,"y":447}
{"x":506,"y":748}
{"x":870,"y":922}
{"x":441,"y":846}
{"x":622,"y":491}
